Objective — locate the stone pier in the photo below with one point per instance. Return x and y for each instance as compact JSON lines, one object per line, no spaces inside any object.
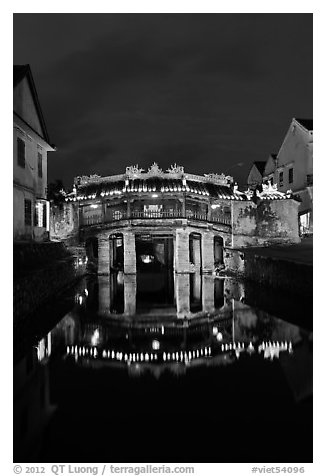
{"x":103,"y":256}
{"x":182,"y":293}
{"x":181,"y":251}
{"x":207,"y":252}
{"x":130,"y":288}
{"x":129,"y":250}
{"x":104,"y":300}
{"x":208,"y":293}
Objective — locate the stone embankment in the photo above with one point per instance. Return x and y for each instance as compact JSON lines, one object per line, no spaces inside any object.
{"x":287,"y":268}
{"x":41,"y":272}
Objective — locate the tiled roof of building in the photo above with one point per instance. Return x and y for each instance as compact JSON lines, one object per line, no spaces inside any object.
{"x":159,"y":185}
{"x":19,"y":73}
{"x":20,"y":70}
{"x":306,"y":123}
{"x":260,"y":164}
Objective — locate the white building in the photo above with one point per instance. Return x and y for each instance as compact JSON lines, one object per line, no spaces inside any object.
{"x":294,"y":169}
{"x":30,"y":147}
{"x":256,"y":173}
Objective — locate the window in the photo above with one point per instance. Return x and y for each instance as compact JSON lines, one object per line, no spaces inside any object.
{"x":291,"y":175}
{"x":21,"y":152}
{"x":44,"y":215}
{"x":281,"y":178}
{"x":39,"y":164}
{"x":28,"y":212}
{"x":40,"y":214}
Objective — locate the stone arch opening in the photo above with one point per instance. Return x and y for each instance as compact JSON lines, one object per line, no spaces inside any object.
{"x":195,"y":251}
{"x":218,"y":251}
{"x":116,"y":245}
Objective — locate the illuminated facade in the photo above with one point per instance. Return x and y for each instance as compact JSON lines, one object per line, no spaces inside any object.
{"x":174,"y":220}
{"x":31,"y":145}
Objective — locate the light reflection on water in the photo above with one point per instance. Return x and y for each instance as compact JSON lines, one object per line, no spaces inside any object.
{"x":152,"y":327}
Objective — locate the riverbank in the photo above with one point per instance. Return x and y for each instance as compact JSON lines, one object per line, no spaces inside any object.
{"x":287,"y":268}
{"x":41,"y":272}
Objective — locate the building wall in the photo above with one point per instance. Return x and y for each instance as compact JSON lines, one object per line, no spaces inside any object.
{"x":254,"y":177}
{"x":295,"y":152}
{"x":21,"y":231}
{"x":268,"y":222}
{"x":64,"y":221}
{"x":27,"y":183}
{"x":24,"y":105}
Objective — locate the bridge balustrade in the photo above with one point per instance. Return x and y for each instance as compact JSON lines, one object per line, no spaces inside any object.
{"x":190,"y":214}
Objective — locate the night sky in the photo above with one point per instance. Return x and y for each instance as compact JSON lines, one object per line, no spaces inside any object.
{"x":207,"y":91}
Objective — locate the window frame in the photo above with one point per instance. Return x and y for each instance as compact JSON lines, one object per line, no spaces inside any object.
{"x":291,"y":175}
{"x":21,"y":152}
{"x":28,"y":218}
{"x":281,"y":178}
{"x":40,"y":165}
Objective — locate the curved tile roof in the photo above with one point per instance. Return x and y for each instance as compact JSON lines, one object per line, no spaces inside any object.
{"x":157,"y":185}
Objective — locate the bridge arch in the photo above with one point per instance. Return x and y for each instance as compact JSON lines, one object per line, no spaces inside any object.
{"x":218,"y":250}
{"x":195,"y":251}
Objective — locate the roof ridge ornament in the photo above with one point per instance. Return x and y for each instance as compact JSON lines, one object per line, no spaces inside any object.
{"x":134,"y":171}
{"x":85,"y":179}
{"x":175,"y":169}
{"x":154,"y":169}
{"x":220,"y":179}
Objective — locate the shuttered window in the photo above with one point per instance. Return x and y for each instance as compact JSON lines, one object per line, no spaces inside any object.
{"x":28,"y":212}
{"x":21,"y":152}
{"x":44,"y":215}
{"x":39,"y":164}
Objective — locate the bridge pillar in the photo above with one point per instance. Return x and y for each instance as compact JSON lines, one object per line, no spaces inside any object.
{"x":129,"y":252}
{"x":208,"y":293}
{"x":130,"y":287}
{"x":181,"y":261}
{"x":207,"y":252}
{"x":103,"y":256}
{"x":182,"y":294}
{"x":104,"y":301}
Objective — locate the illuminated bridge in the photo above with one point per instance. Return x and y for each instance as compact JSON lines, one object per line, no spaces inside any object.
{"x":172,"y":220}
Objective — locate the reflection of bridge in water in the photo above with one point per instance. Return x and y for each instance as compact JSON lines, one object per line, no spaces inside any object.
{"x":171,"y":334}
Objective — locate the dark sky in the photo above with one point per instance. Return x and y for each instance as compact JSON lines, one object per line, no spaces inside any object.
{"x":207,"y":91}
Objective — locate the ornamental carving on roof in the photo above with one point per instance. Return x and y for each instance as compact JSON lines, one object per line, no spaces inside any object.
{"x":220,"y":179}
{"x":134,"y":171}
{"x":175,"y":169}
{"x":154,"y":169}
{"x":85,"y":179}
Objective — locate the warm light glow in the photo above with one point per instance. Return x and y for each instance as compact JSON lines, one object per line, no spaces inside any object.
{"x":147,"y":259}
{"x":215,"y":205}
{"x":155,"y":345}
{"x":95,"y":337}
{"x":154,"y":195}
{"x":94,"y":206}
{"x":215,"y":331}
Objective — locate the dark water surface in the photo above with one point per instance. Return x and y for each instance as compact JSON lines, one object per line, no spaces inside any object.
{"x":165,"y":369}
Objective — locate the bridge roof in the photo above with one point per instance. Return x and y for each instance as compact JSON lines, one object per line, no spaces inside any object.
{"x":159,"y":185}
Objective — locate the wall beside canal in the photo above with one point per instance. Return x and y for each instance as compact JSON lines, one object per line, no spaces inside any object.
{"x":264,"y":223}
{"x":41,"y":272}
{"x":64,"y":221}
{"x":290,"y":276}
{"x":275,"y":273}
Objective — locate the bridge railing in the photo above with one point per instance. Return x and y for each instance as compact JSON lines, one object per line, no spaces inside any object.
{"x":118,"y":216}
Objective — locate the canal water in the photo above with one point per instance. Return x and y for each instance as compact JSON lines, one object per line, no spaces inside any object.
{"x":162,"y":368}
